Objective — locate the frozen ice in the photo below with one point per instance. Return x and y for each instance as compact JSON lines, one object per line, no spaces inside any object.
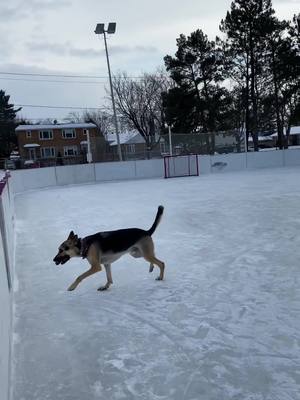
{"x":224,"y":324}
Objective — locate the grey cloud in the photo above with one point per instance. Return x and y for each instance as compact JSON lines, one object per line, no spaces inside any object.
{"x":136,"y":49}
{"x":62,"y":49}
{"x":30,"y":68}
{"x":76,"y":52}
{"x":18,"y":11}
{"x":68,"y":49}
{"x":41,"y":5}
{"x":7,"y":13}
{"x":42,"y":47}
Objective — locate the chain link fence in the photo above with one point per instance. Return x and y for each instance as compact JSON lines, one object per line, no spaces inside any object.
{"x":103,"y":151}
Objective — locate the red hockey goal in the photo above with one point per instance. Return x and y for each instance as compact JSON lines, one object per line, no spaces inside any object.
{"x":178,"y":166}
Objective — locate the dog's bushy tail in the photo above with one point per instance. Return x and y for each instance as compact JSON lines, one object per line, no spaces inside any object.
{"x":157,"y":220}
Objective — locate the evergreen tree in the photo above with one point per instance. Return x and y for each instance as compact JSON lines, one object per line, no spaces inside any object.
{"x":196,"y":72}
{"x":245,"y":47}
{"x":282,"y":63}
{"x":291,"y":86}
{"x":7,"y":125}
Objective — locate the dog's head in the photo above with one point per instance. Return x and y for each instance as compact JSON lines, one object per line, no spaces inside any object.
{"x":68,"y":249}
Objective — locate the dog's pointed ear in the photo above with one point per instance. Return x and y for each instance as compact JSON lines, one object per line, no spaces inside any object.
{"x":71,"y":235}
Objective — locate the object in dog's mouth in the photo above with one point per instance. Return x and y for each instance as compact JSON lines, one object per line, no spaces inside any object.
{"x":61,"y":259}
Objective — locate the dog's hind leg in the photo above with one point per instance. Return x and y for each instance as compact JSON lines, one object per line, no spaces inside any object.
{"x":147,"y":249}
{"x":108,"y":277}
{"x":153,"y":260}
{"x":91,"y":271}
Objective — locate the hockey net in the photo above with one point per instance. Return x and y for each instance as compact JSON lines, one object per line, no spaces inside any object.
{"x":178,"y":166}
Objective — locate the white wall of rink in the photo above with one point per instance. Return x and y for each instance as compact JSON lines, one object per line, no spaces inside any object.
{"x":24,"y":180}
{"x":7,"y":245}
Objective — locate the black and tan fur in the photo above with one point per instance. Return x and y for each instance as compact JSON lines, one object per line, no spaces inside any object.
{"x":107,"y":247}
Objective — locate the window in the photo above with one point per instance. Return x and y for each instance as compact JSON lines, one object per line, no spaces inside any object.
{"x":47,"y":152}
{"x":177,"y":150}
{"x":28,"y":134}
{"x":85,"y":132}
{"x":46,"y":135}
{"x":70,"y":151}
{"x":163,"y":147}
{"x":69,"y":134}
{"x":131,"y":148}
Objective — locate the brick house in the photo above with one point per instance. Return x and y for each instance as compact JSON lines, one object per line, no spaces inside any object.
{"x":51,"y":142}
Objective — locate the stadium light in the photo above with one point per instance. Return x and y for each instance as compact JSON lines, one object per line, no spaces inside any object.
{"x":100,"y":30}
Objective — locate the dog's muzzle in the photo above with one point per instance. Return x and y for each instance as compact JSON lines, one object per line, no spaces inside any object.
{"x":61,"y":259}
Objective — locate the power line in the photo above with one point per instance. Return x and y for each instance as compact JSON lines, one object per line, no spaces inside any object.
{"x":60,"y":107}
{"x":61,"y":76}
{"x":48,"y":80}
{"x":53,"y":75}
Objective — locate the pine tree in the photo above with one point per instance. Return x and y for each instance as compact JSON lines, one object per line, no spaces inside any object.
{"x":196,"y":72}
{"x":245,"y":45}
{"x":7,"y":125}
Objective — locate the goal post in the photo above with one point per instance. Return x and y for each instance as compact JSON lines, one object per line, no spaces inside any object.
{"x":180,"y":166}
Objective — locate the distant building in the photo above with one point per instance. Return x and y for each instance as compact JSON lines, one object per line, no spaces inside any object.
{"x":294,"y":136}
{"x":46,"y":143}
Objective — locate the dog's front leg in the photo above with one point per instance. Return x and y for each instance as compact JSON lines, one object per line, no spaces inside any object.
{"x":108,"y":277}
{"x":91,"y":271}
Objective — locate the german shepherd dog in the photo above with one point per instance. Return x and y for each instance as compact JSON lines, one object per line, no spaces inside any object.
{"x":107,"y":247}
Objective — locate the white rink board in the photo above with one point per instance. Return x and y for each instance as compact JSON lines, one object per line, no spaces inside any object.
{"x":265,"y":159}
{"x":24,"y":180}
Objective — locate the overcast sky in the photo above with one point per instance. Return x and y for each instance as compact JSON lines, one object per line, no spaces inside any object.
{"x":57,"y":37}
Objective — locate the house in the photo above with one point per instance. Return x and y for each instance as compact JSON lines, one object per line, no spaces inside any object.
{"x":294,"y":136}
{"x":264,"y":141}
{"x":48,"y":144}
{"x":133,"y":145}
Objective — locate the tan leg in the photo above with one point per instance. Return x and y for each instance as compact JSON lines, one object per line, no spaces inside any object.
{"x":108,"y":277}
{"x":147,"y":249}
{"x":91,"y":271}
{"x":160,"y":264}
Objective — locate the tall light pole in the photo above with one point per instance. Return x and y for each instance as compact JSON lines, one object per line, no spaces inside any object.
{"x":99,"y":31}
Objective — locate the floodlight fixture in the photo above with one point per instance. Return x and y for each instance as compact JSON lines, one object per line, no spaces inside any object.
{"x":111,"y":27}
{"x":99,"y":29}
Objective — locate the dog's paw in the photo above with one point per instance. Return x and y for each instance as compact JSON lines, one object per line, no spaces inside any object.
{"x":102,"y":288}
{"x":71,"y":288}
{"x":159,"y":278}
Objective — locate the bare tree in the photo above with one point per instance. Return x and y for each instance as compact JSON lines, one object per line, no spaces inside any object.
{"x":139,"y":101}
{"x":74,"y":117}
{"x":102,"y":120}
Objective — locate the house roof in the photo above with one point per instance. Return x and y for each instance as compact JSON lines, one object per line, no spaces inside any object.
{"x":295,"y":130}
{"x":262,"y":138}
{"x":130,"y":137}
{"x":38,"y":127}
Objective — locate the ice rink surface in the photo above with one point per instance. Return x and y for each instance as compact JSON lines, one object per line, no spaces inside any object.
{"x":223,"y":325}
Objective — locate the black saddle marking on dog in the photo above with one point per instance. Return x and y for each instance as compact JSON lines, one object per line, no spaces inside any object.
{"x":115,"y":241}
